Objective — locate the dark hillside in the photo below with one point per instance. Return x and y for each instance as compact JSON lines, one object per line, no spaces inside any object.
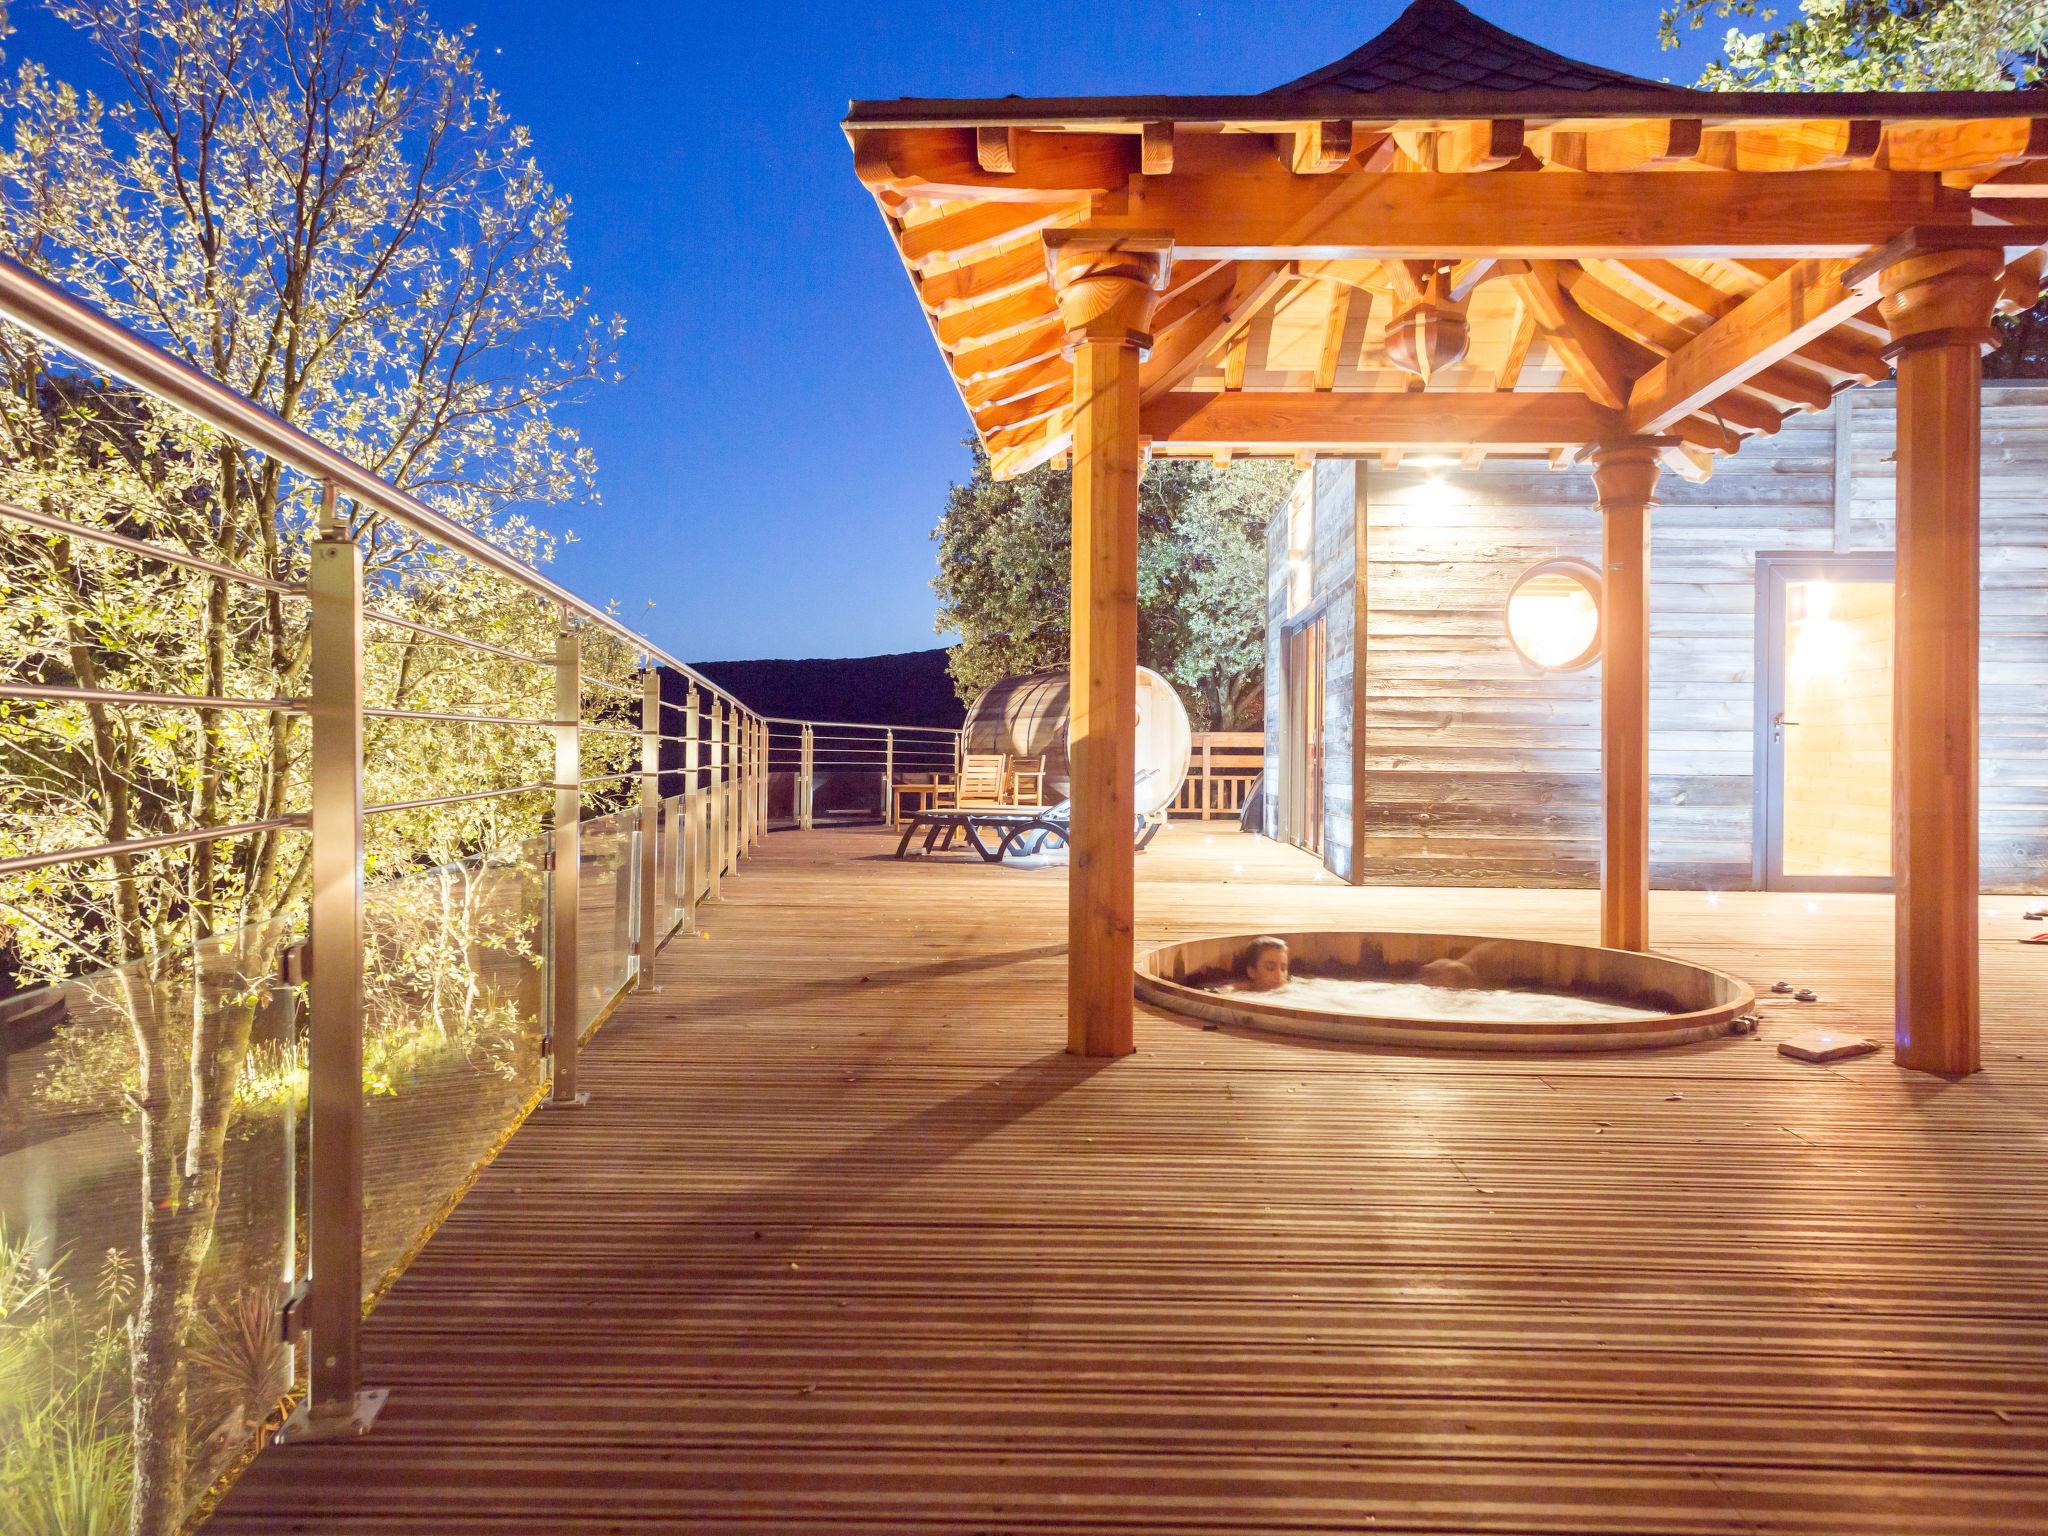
{"x":908,"y":688}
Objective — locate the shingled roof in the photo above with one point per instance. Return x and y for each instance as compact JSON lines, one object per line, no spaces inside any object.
{"x":1438,"y":45}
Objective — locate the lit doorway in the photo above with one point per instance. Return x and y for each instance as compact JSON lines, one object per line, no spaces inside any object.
{"x":1301,"y":806}
{"x":1824,"y":723}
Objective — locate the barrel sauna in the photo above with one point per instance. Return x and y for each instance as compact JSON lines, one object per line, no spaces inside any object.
{"x":1027,"y":717}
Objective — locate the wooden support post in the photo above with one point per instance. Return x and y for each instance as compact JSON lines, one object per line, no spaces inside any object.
{"x":1208,"y":778}
{"x":566,"y":875}
{"x":1107,"y":291}
{"x":336,"y":1405}
{"x":1625,"y":480}
{"x":650,"y":824}
{"x":1938,"y":306}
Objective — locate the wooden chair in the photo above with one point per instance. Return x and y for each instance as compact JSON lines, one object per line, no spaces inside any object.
{"x":982,"y":776}
{"x":1027,"y":781}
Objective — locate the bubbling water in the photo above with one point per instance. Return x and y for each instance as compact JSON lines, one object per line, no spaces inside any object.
{"x":1418,"y":1000}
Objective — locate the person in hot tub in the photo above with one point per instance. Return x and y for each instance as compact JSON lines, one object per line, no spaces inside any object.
{"x":1459,"y":973}
{"x":1262,"y":967}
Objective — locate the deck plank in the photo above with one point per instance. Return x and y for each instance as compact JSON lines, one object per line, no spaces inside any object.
{"x":844,"y":1242}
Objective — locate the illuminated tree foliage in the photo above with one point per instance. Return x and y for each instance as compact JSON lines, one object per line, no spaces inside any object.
{"x":322,"y":204}
{"x":1870,"y":45}
{"x":1003,"y":582}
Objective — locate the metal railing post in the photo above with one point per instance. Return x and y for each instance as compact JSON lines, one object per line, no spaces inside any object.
{"x":715,"y":803}
{"x":805,"y":768}
{"x":889,"y":778}
{"x":736,"y":761}
{"x":650,"y":820}
{"x":758,"y":789}
{"x":336,"y":1405}
{"x":693,"y":798}
{"x":567,"y":865}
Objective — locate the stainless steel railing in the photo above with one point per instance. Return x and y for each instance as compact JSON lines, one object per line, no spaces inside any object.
{"x":684,"y":842}
{"x":860,"y":767}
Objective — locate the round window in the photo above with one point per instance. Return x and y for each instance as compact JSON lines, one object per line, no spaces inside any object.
{"x":1553,"y":615}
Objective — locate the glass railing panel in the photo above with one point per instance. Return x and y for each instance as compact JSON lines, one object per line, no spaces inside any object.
{"x":606,"y":895}
{"x":668,"y":904}
{"x":453,"y":987}
{"x":148,"y":1116}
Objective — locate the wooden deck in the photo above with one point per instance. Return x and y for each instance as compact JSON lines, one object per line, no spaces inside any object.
{"x":844,"y":1243}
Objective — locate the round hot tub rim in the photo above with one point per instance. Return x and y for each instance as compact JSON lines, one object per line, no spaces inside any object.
{"x":1709,"y":1000}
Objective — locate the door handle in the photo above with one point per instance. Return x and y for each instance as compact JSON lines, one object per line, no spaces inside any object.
{"x":1779,"y":719}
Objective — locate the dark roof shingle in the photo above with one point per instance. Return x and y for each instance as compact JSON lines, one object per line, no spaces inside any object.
{"x":1438,"y":45}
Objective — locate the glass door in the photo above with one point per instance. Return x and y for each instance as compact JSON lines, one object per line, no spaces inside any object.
{"x":1302,"y":823}
{"x":1827,"y":722}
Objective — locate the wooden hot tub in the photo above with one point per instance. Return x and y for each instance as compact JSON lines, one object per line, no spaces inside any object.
{"x":1680,"y":1002}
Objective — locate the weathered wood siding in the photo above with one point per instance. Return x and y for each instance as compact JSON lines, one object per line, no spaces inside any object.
{"x":1334,"y":598}
{"x":1481,"y":769}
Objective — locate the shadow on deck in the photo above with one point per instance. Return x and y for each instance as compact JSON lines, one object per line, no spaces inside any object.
{"x":845,"y":1243}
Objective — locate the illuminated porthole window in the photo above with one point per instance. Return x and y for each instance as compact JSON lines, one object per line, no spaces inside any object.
{"x":1553,"y":615}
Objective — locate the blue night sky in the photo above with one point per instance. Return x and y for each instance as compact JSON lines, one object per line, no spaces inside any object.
{"x":772,"y":467}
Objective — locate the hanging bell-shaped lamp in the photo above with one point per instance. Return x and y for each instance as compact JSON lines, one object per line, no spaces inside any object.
{"x":1432,"y":334}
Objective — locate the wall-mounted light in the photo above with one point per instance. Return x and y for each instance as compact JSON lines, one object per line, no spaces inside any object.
{"x":1553,"y":615}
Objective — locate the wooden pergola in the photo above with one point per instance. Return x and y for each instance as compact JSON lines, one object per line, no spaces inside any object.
{"x":1452,"y":241}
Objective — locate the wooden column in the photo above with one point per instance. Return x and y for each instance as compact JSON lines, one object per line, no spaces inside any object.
{"x":1107,"y":291}
{"x":1938,"y":308}
{"x":1625,"y":480}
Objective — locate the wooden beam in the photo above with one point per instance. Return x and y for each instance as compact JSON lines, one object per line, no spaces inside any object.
{"x":1179,"y":353}
{"x":1803,"y":302}
{"x":1843,"y":351}
{"x":1633,"y":146}
{"x":956,"y":239}
{"x":1009,"y":354}
{"x":1521,"y":339}
{"x":961,"y":163}
{"x":1155,"y":149}
{"x":1793,"y":387}
{"x":983,"y":282}
{"x":1587,"y":350}
{"x":1316,"y":149}
{"x":1248,"y":214}
{"x":1486,"y":145}
{"x":995,"y":150}
{"x":1334,"y":325}
{"x":1235,"y":354}
{"x":978,"y":325}
{"x":1356,"y":422}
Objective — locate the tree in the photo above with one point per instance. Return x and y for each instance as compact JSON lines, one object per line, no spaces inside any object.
{"x":1871,"y":45}
{"x":1888,"y":45}
{"x":1004,"y":578}
{"x":323,"y":205}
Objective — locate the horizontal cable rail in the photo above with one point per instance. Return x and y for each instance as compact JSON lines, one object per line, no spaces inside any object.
{"x":454,"y":717}
{"x":77,"y":328}
{"x":21,"y":863}
{"x":65,"y":693}
{"x":474,"y":951}
{"x":438,"y":800}
{"x":414,"y":626}
{"x":145,"y":549}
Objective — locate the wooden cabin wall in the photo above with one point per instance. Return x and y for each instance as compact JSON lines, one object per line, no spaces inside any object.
{"x":1334,"y":597}
{"x":1480,"y":769}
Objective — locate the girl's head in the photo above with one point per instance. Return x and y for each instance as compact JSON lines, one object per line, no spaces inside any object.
{"x":1265,"y":964}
